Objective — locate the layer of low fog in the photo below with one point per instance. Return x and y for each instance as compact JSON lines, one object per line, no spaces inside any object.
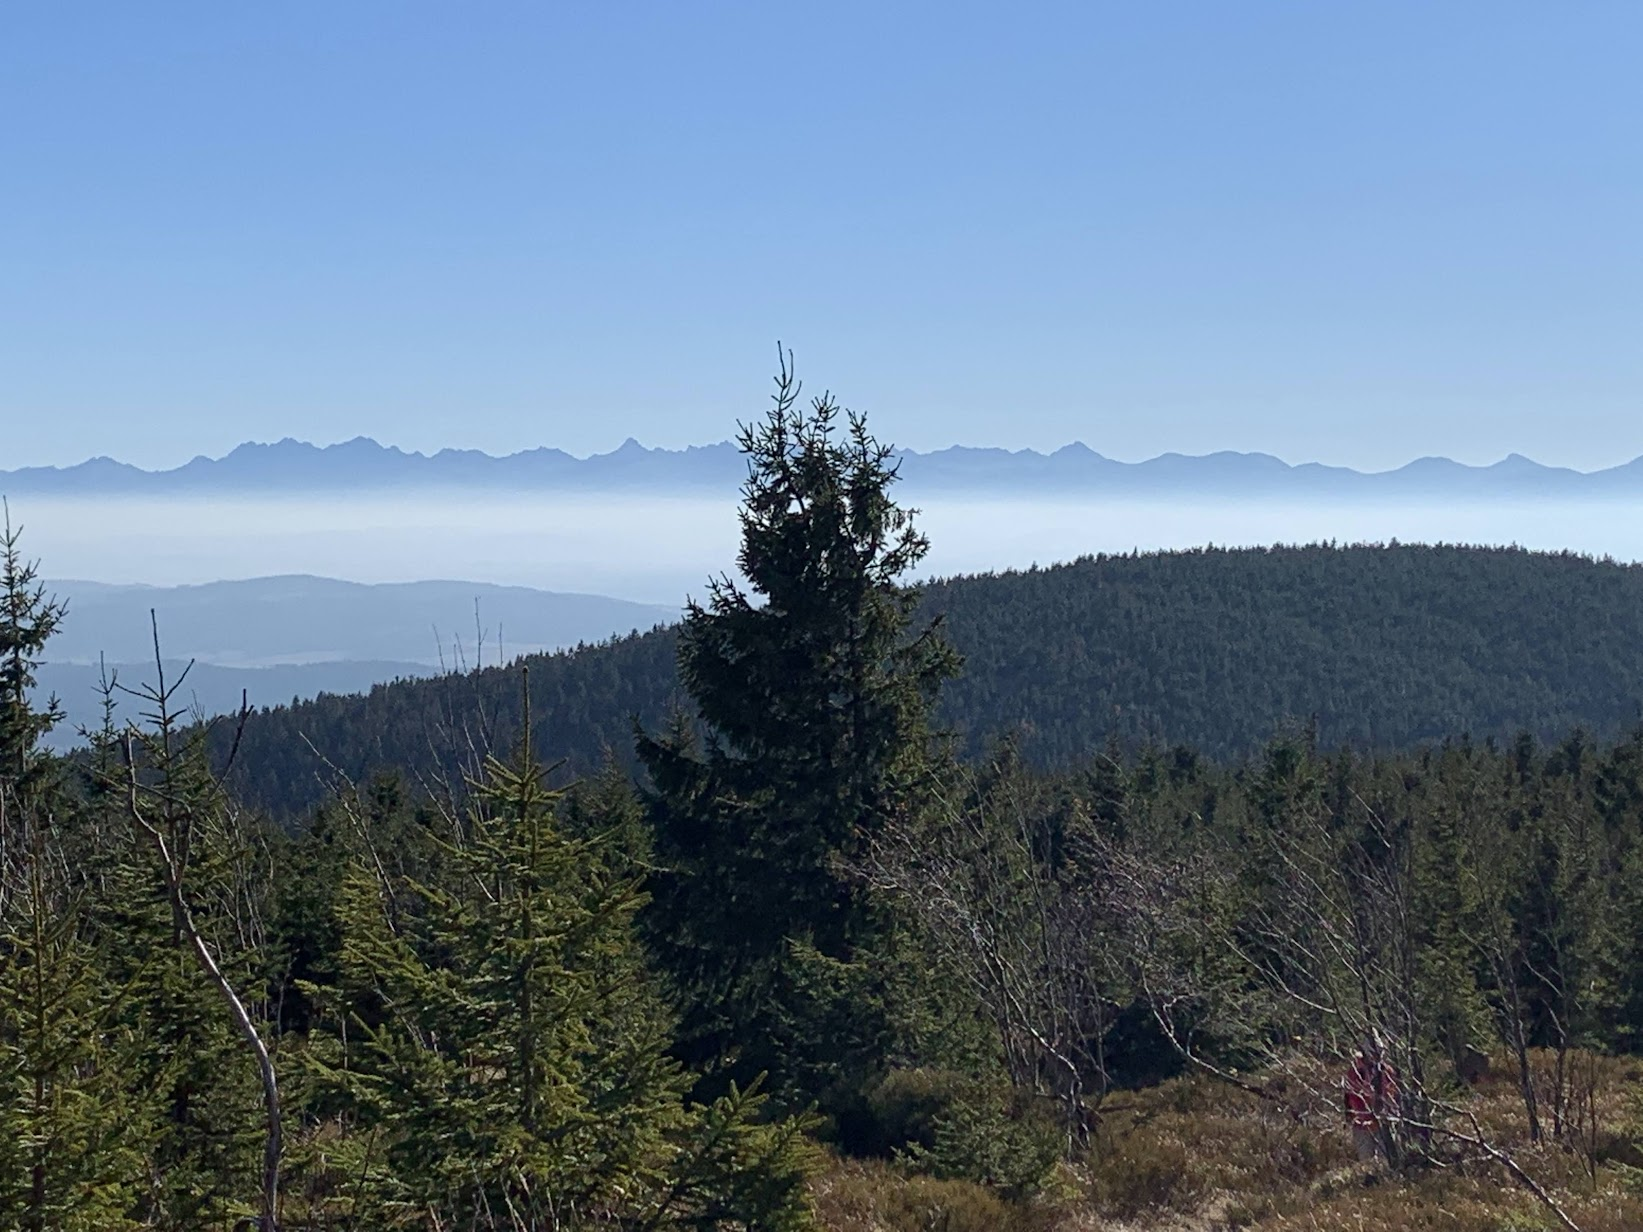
{"x":649,"y":550}
{"x":657,"y":550}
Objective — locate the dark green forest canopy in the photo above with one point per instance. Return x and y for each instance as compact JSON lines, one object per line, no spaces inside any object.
{"x":1387,"y":647}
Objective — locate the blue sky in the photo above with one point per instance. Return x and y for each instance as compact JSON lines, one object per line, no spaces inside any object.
{"x":1350,"y":233}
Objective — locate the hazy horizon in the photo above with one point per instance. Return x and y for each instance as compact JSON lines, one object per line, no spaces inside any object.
{"x":661,"y":549}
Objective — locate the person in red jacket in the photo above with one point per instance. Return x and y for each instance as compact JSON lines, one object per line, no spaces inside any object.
{"x":1370,"y":1092}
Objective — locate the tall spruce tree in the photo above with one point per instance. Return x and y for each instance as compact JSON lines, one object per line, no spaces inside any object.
{"x":68,"y":1156}
{"x":28,"y":619}
{"x":1449,"y":907}
{"x":812,"y":691}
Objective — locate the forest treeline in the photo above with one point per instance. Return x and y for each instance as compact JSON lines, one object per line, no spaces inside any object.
{"x":488,"y":993}
{"x":1384,"y":647}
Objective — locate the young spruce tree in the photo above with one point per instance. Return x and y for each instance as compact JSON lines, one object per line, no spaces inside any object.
{"x":505,"y":1058}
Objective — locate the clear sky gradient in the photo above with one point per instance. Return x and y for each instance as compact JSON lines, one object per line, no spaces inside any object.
{"x":1348,"y":233}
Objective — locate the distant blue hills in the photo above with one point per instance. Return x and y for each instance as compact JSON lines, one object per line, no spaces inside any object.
{"x":363,"y":465}
{"x":273,"y":639}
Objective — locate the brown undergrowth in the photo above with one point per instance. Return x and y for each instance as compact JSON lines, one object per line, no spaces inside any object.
{"x":1194,"y":1155}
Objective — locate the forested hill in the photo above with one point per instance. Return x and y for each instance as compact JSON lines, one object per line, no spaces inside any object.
{"x":1387,"y":646}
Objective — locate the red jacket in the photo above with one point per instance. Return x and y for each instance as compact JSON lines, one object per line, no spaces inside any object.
{"x":1371,"y":1091}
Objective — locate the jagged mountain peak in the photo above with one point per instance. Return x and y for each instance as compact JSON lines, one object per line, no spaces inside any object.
{"x":362,"y":462}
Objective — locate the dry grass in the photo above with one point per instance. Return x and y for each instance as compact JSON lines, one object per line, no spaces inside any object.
{"x":872,"y":1197}
{"x":1194,"y":1156}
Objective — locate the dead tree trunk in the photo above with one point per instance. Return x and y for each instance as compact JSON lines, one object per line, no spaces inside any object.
{"x":168,"y":829}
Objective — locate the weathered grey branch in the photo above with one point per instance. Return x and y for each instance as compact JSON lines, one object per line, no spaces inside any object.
{"x":170,"y":838}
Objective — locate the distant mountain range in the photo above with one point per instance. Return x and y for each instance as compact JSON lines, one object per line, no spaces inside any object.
{"x":278,"y":638}
{"x":291,"y":466}
{"x":283,"y":621}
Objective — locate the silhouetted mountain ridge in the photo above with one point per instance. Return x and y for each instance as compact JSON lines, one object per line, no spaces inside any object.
{"x":295,"y":636}
{"x":361,"y":464}
{"x":297,"y":618}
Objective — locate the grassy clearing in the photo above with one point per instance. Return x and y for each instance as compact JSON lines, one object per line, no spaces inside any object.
{"x":1192,"y":1155}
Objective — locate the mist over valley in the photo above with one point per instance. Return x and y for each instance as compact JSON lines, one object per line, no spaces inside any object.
{"x":282,"y":598}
